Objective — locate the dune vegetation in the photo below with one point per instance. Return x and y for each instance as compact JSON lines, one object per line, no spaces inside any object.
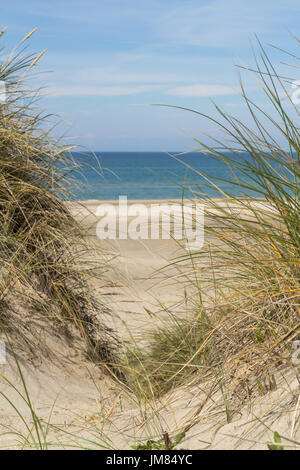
{"x":246,"y":317}
{"x":43,"y":282}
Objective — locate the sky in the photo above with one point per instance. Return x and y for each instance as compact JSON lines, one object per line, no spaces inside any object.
{"x":107,"y":60}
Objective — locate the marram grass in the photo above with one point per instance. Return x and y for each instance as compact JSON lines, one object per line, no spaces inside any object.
{"x":42,"y":246}
{"x":249,"y":268}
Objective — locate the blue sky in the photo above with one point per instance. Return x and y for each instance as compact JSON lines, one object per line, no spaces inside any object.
{"x":106,"y":58}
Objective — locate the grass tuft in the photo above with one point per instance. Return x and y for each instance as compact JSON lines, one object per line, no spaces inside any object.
{"x":43,"y":276}
{"x":250,"y":264}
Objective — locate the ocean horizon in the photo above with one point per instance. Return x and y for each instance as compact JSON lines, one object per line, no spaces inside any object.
{"x":149,"y":175}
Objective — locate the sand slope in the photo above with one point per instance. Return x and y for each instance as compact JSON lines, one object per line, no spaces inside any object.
{"x":88,"y":408}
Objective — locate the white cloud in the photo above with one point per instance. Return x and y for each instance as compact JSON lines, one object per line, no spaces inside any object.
{"x":221,"y":24}
{"x":81,"y":90}
{"x":119,"y":75}
{"x":117,"y":79}
{"x":202,"y":90}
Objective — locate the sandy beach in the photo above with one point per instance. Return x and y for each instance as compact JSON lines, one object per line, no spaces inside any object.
{"x":141,"y":291}
{"x":140,"y":287}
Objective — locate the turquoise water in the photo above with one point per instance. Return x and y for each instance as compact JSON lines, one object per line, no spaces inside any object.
{"x":147,"y":175}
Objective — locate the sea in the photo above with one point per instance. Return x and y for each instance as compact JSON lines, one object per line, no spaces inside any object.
{"x":151,"y":175}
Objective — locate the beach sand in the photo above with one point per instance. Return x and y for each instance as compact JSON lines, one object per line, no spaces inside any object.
{"x":142,"y":289}
{"x":140,"y":286}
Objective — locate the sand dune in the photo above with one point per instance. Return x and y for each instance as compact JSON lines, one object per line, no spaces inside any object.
{"x":91,"y":408}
